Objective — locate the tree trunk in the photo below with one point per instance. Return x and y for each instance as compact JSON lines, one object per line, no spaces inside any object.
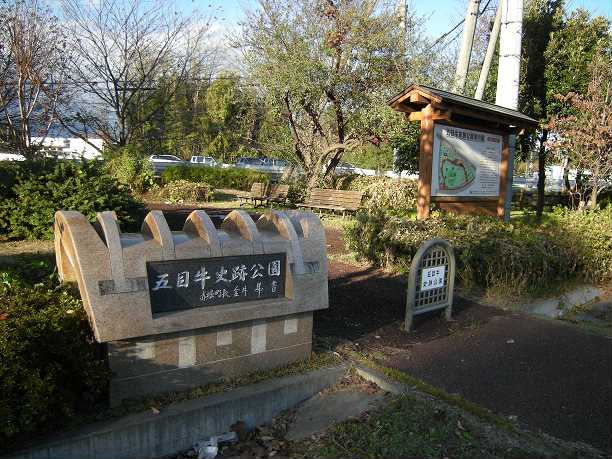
{"x":541,"y":174}
{"x":595,"y":179}
{"x":593,"y":199}
{"x":566,"y":182}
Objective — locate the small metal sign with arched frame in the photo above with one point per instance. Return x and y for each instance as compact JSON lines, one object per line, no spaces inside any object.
{"x":431,"y":280}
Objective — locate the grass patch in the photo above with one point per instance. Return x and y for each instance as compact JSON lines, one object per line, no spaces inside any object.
{"x":406,"y":427}
{"x":420,"y":385}
{"x":350,"y":258}
{"x":25,"y":247}
{"x":336,"y":221}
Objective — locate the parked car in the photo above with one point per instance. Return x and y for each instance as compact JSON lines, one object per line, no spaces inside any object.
{"x":275,"y":165}
{"x":345,"y":169}
{"x":249,"y":163}
{"x":207,"y":161}
{"x":160,"y":163}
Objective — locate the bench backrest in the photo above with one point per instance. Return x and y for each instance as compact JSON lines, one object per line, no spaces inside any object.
{"x":279,"y":191}
{"x":350,"y":200}
{"x":258,"y":189}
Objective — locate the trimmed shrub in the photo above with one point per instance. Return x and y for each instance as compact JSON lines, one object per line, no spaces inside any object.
{"x":514,"y":258}
{"x":239,"y":179}
{"x":185,"y":191}
{"x":39,"y":189}
{"x":51,"y":369}
{"x":392,"y":196}
{"x":589,"y":233}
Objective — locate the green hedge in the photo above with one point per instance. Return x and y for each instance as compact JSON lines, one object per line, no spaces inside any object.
{"x":239,"y":179}
{"x":51,"y":369}
{"x":31,"y":192}
{"x":513,"y":258}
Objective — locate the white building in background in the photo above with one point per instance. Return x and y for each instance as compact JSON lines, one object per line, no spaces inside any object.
{"x":71,"y":147}
{"x":63,"y":148}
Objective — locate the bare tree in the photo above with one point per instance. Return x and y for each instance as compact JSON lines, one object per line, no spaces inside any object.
{"x":123,"y":52}
{"x":33,"y":62}
{"x":584,"y":139}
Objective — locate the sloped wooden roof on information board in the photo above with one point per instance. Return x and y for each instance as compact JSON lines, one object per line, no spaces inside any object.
{"x":458,"y":107}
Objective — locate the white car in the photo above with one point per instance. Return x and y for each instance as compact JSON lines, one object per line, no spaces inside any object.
{"x":160,"y":163}
{"x":345,"y":169}
{"x":207,"y":161}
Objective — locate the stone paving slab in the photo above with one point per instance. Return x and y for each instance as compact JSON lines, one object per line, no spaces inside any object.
{"x":324,"y":410}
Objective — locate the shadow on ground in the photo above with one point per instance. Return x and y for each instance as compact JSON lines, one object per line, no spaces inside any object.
{"x":550,"y":375}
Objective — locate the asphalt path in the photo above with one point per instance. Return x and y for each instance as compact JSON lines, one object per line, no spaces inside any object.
{"x":550,"y":375}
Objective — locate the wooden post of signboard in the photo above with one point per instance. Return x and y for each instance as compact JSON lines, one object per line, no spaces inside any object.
{"x":503,"y":174}
{"x":425,"y":162}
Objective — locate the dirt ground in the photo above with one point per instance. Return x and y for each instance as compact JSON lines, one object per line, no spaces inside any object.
{"x":550,"y":375}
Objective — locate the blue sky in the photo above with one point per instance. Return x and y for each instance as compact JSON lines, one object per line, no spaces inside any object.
{"x":442,"y":15}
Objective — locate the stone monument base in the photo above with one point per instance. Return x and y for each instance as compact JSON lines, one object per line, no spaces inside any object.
{"x":180,"y":361}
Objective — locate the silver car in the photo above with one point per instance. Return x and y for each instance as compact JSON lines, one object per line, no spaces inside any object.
{"x":206,"y":161}
{"x":160,"y":163}
{"x":249,"y":163}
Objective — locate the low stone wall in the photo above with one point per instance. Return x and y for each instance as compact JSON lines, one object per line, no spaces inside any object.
{"x":179,"y":426}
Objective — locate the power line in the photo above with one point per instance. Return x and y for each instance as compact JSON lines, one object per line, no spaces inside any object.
{"x":443,"y":36}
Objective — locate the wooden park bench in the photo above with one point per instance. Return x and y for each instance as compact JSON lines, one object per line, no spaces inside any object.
{"x":334,"y":200}
{"x":278,"y":194}
{"x":258,"y":193}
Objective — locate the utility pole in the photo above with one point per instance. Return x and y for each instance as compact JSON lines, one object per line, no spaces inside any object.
{"x":509,"y":54}
{"x":486,"y":65}
{"x":402,"y":12}
{"x":465,"y":53}
{"x":508,"y":75}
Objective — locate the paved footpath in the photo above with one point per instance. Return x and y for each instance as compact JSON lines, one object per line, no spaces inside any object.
{"x":551,"y":375}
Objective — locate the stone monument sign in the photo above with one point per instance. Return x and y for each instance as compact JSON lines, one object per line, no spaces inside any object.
{"x":178,"y":309}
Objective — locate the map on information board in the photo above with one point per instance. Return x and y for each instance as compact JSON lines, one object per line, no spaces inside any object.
{"x":465,"y":162}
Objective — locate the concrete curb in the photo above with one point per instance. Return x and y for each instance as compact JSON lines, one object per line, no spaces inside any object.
{"x":179,"y":426}
{"x":556,"y":307}
{"x":382,"y":381}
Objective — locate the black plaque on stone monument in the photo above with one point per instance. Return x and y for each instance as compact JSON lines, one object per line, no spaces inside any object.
{"x":199,"y":282}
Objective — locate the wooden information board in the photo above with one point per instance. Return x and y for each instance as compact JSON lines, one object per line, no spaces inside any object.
{"x":464,"y":159}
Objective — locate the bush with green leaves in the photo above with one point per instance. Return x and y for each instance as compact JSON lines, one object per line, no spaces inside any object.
{"x":589,"y":233}
{"x":52,"y":370}
{"x":392,"y":196}
{"x":511,"y":258}
{"x":132,"y":169}
{"x":185,"y":191}
{"x":37,"y":190}
{"x":216,"y":177}
{"x":298,"y":191}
